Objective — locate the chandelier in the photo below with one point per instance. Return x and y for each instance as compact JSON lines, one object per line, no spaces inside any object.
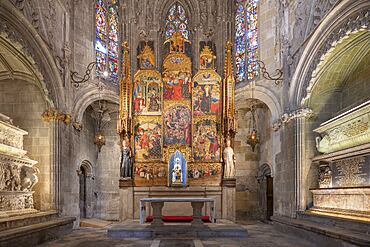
{"x":252,"y":137}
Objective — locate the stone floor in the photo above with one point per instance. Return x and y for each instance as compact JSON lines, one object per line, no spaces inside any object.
{"x":260,"y":234}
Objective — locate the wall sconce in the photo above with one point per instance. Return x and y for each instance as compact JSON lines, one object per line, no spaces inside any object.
{"x":99,"y":140}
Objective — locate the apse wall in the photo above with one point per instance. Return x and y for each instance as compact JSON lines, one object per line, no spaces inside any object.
{"x":24,"y":103}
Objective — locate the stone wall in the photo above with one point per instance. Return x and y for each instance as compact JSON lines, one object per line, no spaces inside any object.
{"x":24,"y":103}
{"x":248,"y":162}
{"x":356,"y":88}
{"x":107,"y":174}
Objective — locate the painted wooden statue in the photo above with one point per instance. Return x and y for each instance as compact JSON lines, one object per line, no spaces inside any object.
{"x":126,"y":160}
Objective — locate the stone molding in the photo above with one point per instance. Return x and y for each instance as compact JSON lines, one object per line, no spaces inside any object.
{"x":11,"y":135}
{"x":287,"y":117}
{"x":357,"y":22}
{"x":345,"y":131}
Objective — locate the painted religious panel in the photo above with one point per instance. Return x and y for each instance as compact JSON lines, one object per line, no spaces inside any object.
{"x":206,"y":94}
{"x":177,"y":86}
{"x":150,"y":174}
{"x":206,"y":86}
{"x":204,"y":174}
{"x":147,"y":92}
{"x":148,"y":139}
{"x":206,"y":140}
{"x":177,"y":125}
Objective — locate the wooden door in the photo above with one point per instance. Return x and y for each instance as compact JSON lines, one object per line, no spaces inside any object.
{"x":269,"y":197}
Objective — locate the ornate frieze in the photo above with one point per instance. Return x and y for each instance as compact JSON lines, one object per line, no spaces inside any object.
{"x":11,"y":136}
{"x":344,"y":131}
{"x":15,"y":201}
{"x":325,"y":176}
{"x":287,"y":117}
{"x":358,"y":21}
{"x":351,"y":172}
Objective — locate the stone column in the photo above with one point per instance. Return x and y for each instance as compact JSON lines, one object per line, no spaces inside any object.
{"x":228,"y":198}
{"x":197,"y":213}
{"x":126,"y":198}
{"x":157,"y":213}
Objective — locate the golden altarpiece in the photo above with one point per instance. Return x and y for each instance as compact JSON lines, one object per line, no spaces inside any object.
{"x":176,"y":124}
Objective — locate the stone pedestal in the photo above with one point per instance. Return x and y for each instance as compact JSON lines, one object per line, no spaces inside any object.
{"x":157,"y":213}
{"x":17,"y":172}
{"x":126,"y":194}
{"x":197,"y":213}
{"x":228,"y":198}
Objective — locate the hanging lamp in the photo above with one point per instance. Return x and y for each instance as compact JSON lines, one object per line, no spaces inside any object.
{"x":252,"y":137}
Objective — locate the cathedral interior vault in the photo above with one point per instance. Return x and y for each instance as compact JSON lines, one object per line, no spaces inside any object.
{"x":178,"y":104}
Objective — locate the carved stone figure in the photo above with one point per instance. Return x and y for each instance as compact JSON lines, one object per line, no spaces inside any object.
{"x":229,"y":159}
{"x":15,"y":181}
{"x":126,"y":164}
{"x":30,"y":178}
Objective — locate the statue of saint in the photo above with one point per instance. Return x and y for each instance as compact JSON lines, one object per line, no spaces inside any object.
{"x":229,"y":159}
{"x":126,"y":164}
{"x":177,"y":172}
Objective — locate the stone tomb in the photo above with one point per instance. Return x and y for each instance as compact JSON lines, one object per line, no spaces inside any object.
{"x":20,"y":223}
{"x":344,"y":168}
{"x":18,"y":173}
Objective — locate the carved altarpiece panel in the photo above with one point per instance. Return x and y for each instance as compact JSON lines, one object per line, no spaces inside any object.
{"x":187,"y":117}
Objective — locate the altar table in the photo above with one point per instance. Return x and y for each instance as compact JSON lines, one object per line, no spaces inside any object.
{"x":158,"y":203}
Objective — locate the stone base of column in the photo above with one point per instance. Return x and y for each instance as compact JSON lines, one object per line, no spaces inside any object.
{"x":228,"y":198}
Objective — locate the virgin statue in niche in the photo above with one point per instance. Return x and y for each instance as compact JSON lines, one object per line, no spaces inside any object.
{"x":229,"y":159}
{"x":126,"y":164}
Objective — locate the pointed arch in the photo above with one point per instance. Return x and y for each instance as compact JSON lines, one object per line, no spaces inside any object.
{"x":246,"y":40}
{"x":107,"y":38}
{"x":177,"y":21}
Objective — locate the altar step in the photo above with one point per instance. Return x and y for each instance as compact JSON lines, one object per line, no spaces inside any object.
{"x":26,"y":219}
{"x":33,"y":229}
{"x":132,"y":229}
{"x":324,"y":230}
{"x":332,"y":218}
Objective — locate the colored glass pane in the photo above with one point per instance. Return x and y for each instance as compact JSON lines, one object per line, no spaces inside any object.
{"x":246,"y":40}
{"x":106,"y":43}
{"x":177,"y":21}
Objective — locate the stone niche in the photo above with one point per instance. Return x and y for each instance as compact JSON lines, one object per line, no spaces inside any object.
{"x":344,"y":168}
{"x":18,"y":173}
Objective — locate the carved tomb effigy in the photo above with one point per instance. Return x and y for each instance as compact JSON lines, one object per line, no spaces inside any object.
{"x":344,"y":168}
{"x":17,"y":171}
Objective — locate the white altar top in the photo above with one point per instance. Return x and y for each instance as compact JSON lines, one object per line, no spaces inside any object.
{"x":177,"y":199}
{"x":162,"y":200}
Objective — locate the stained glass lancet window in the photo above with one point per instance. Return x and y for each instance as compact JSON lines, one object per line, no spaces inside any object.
{"x":246,"y":40}
{"x":177,"y":21}
{"x":106,"y":43}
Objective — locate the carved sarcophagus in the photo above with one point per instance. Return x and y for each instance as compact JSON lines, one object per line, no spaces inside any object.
{"x":18,"y":173}
{"x":347,"y":130}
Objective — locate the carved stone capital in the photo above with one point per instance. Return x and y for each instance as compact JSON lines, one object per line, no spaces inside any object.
{"x":287,"y":117}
